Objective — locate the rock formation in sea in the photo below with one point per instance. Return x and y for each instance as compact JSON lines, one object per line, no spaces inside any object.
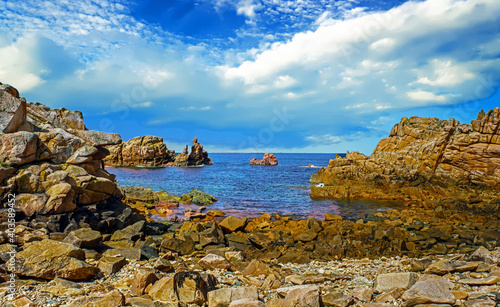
{"x":423,"y":158}
{"x":152,"y":151}
{"x":197,"y":157}
{"x":140,"y":151}
{"x":268,"y":159}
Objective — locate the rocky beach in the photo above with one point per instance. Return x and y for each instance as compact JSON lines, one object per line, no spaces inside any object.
{"x":72,"y":236}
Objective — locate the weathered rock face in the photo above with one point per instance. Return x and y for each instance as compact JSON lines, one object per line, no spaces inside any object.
{"x":49,"y":259}
{"x":423,"y":158}
{"x":269,"y":159}
{"x":198,"y":156}
{"x":50,"y":160}
{"x":140,"y":151}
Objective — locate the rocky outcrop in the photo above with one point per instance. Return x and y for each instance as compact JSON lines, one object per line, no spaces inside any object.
{"x":152,"y":152}
{"x":268,"y":159}
{"x":423,"y":158}
{"x":140,"y":151}
{"x":197,"y":157}
{"x":53,"y":166}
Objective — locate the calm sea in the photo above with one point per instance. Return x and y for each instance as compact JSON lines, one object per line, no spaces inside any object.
{"x":245,"y":190}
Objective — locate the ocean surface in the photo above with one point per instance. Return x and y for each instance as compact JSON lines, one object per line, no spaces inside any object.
{"x":249,"y":191}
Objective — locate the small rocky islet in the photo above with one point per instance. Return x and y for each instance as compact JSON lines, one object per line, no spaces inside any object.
{"x":82,"y":240}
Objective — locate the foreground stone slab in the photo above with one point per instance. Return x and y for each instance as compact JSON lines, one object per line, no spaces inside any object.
{"x":224,"y":297}
{"x":429,"y":290}
{"x":303,"y":296}
{"x":49,"y":259}
{"x":386,"y":282}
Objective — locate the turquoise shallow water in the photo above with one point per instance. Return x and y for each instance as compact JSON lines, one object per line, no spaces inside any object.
{"x":245,"y":190}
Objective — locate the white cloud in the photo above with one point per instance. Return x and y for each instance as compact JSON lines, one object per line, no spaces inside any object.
{"x":446,"y":74}
{"x":353,"y":55}
{"x":384,"y":44}
{"x":247,"y":8}
{"x":142,"y":105}
{"x":325,"y":139}
{"x":420,"y":95}
{"x":284,"y":81}
{"x":17,"y":67}
{"x":206,"y":108}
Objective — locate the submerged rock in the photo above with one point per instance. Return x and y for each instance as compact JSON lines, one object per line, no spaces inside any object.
{"x":199,"y":198}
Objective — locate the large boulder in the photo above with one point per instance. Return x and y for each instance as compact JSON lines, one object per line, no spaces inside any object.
{"x":185,"y":287}
{"x":12,"y":109}
{"x":49,"y":259}
{"x":430,"y":290}
{"x":50,"y":161}
{"x":18,"y":148}
{"x":423,"y":158}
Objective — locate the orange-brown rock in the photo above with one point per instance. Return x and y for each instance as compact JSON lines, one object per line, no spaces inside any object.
{"x":140,"y":151}
{"x":422,"y":158}
{"x":198,"y":156}
{"x":51,"y":162}
{"x":268,"y":159}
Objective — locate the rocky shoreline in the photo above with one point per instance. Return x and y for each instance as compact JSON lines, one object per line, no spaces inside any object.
{"x":423,"y":158}
{"x":401,"y":258}
{"x":79,"y":239}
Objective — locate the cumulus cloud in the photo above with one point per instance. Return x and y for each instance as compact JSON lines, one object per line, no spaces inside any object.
{"x":337,"y":67}
{"x":419,"y":43}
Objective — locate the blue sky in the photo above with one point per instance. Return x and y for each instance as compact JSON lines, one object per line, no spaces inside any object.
{"x":255,"y":75}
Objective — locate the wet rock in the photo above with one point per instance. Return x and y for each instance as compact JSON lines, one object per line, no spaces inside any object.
{"x":198,"y":197}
